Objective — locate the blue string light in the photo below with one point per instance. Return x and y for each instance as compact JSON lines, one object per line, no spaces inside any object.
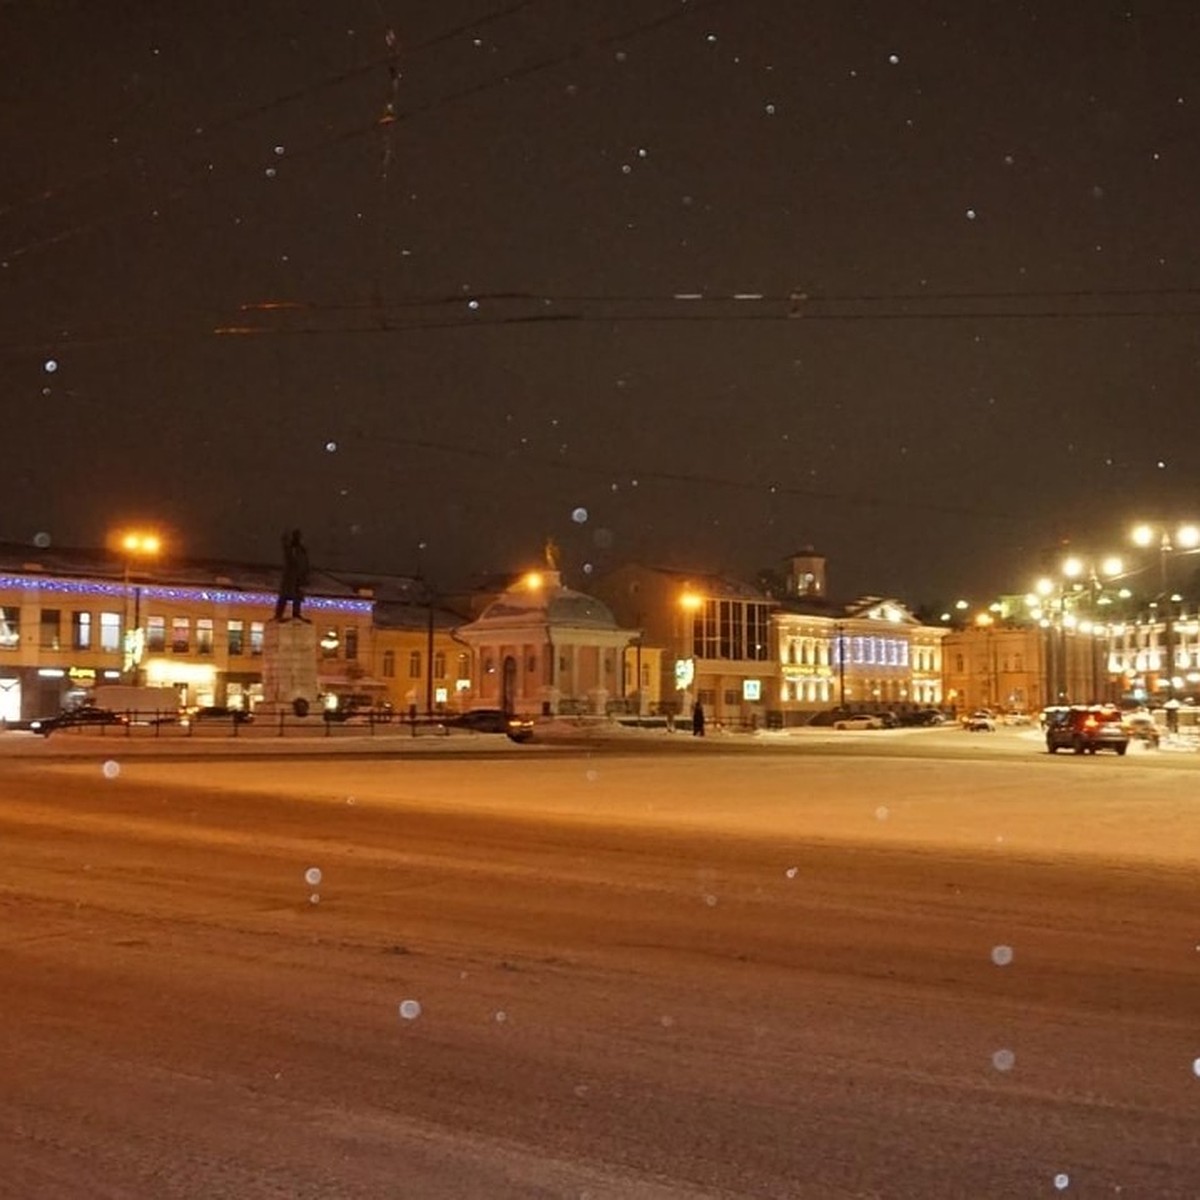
{"x":83,"y":587}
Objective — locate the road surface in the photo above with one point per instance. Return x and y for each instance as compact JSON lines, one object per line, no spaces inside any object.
{"x":594,"y":973}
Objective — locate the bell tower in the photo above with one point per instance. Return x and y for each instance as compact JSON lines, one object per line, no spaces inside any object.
{"x":806,"y":574}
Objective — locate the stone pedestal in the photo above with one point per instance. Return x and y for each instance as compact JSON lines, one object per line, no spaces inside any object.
{"x":289,"y":666}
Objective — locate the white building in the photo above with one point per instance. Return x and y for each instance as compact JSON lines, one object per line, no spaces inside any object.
{"x":541,"y":647}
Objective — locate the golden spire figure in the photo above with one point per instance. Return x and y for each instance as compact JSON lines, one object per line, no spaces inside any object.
{"x":551,"y":554}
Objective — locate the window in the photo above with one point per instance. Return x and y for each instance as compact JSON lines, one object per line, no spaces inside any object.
{"x":464,"y":664}
{"x":439,"y":665}
{"x":414,"y":664}
{"x":732,"y":697}
{"x":156,"y":634}
{"x":256,"y":638}
{"x":958,"y":664}
{"x":10,"y":628}
{"x":81,"y":631}
{"x":48,"y":627}
{"x":351,"y":642}
{"x":110,"y":632}
{"x":389,"y":664}
{"x":731,"y":629}
{"x":181,"y":634}
{"x":236,"y":632}
{"x":204,"y":635}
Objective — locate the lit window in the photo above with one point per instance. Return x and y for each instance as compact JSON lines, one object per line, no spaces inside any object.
{"x":204,"y":635}
{"x":236,"y":632}
{"x":48,"y":628}
{"x":81,"y":630}
{"x":181,"y":634}
{"x":156,"y":634}
{"x":256,"y":637}
{"x":10,"y":628}
{"x":110,"y":632}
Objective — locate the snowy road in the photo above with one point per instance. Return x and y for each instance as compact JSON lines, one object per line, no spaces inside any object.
{"x":601,"y":975}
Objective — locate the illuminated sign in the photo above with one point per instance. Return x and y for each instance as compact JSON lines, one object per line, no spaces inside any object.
{"x":751,"y":689}
{"x":685,"y":672}
{"x":441,"y":695}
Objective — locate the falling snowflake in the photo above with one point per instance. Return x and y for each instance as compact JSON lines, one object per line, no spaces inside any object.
{"x":111,"y":769}
{"x":312,"y":876}
{"x":1002,"y":955}
{"x":579,"y":516}
{"x":410,"y":1010}
{"x":1004,"y":1060}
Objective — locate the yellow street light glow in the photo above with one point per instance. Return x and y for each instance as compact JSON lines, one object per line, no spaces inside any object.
{"x":533,"y":579}
{"x":1031,"y":600}
{"x":1142,"y":535}
{"x":983,"y":619}
{"x":1112,"y":565}
{"x":1072,"y":567}
{"x":690,"y":601}
{"x":1188,"y":536}
{"x":135,"y":542}
{"x":960,"y":605}
{"x":1044,"y":586}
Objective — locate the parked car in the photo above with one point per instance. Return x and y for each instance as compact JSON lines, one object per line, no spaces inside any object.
{"x":76,"y":717}
{"x":859,"y":721}
{"x":221,"y":712}
{"x":980,"y":722}
{"x":494,"y":720}
{"x":1086,"y":729}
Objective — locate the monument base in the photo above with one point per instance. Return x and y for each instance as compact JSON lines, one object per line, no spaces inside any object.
{"x":290,"y":668}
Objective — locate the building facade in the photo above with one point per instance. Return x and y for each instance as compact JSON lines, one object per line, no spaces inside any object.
{"x":541,"y":647}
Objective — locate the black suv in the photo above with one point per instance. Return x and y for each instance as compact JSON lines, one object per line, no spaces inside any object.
{"x":1086,"y":730}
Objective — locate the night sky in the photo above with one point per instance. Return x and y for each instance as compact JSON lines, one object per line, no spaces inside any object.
{"x":236,"y":297}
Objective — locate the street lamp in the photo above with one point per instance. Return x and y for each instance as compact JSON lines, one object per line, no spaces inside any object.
{"x":685,"y":662}
{"x":135,"y":544}
{"x":1184,"y":537}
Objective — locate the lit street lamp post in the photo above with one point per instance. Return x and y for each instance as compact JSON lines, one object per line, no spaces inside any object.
{"x":1186,"y":537}
{"x":135,"y":545}
{"x":685,"y":661}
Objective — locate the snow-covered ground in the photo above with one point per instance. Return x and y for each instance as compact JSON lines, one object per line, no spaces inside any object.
{"x":1143,"y":806}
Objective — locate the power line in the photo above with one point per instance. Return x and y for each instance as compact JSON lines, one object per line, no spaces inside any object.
{"x":359,"y":131}
{"x":691,"y":479}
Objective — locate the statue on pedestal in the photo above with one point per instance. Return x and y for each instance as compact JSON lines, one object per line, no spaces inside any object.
{"x":294,"y":578}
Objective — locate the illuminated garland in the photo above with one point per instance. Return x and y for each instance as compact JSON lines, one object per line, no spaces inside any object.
{"x":81,"y":587}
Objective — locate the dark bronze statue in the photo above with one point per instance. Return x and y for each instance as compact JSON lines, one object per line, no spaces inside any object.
{"x":295,"y":576}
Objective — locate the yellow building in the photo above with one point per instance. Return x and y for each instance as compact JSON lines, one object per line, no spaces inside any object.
{"x":1022,"y":668}
{"x":73,"y":620}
